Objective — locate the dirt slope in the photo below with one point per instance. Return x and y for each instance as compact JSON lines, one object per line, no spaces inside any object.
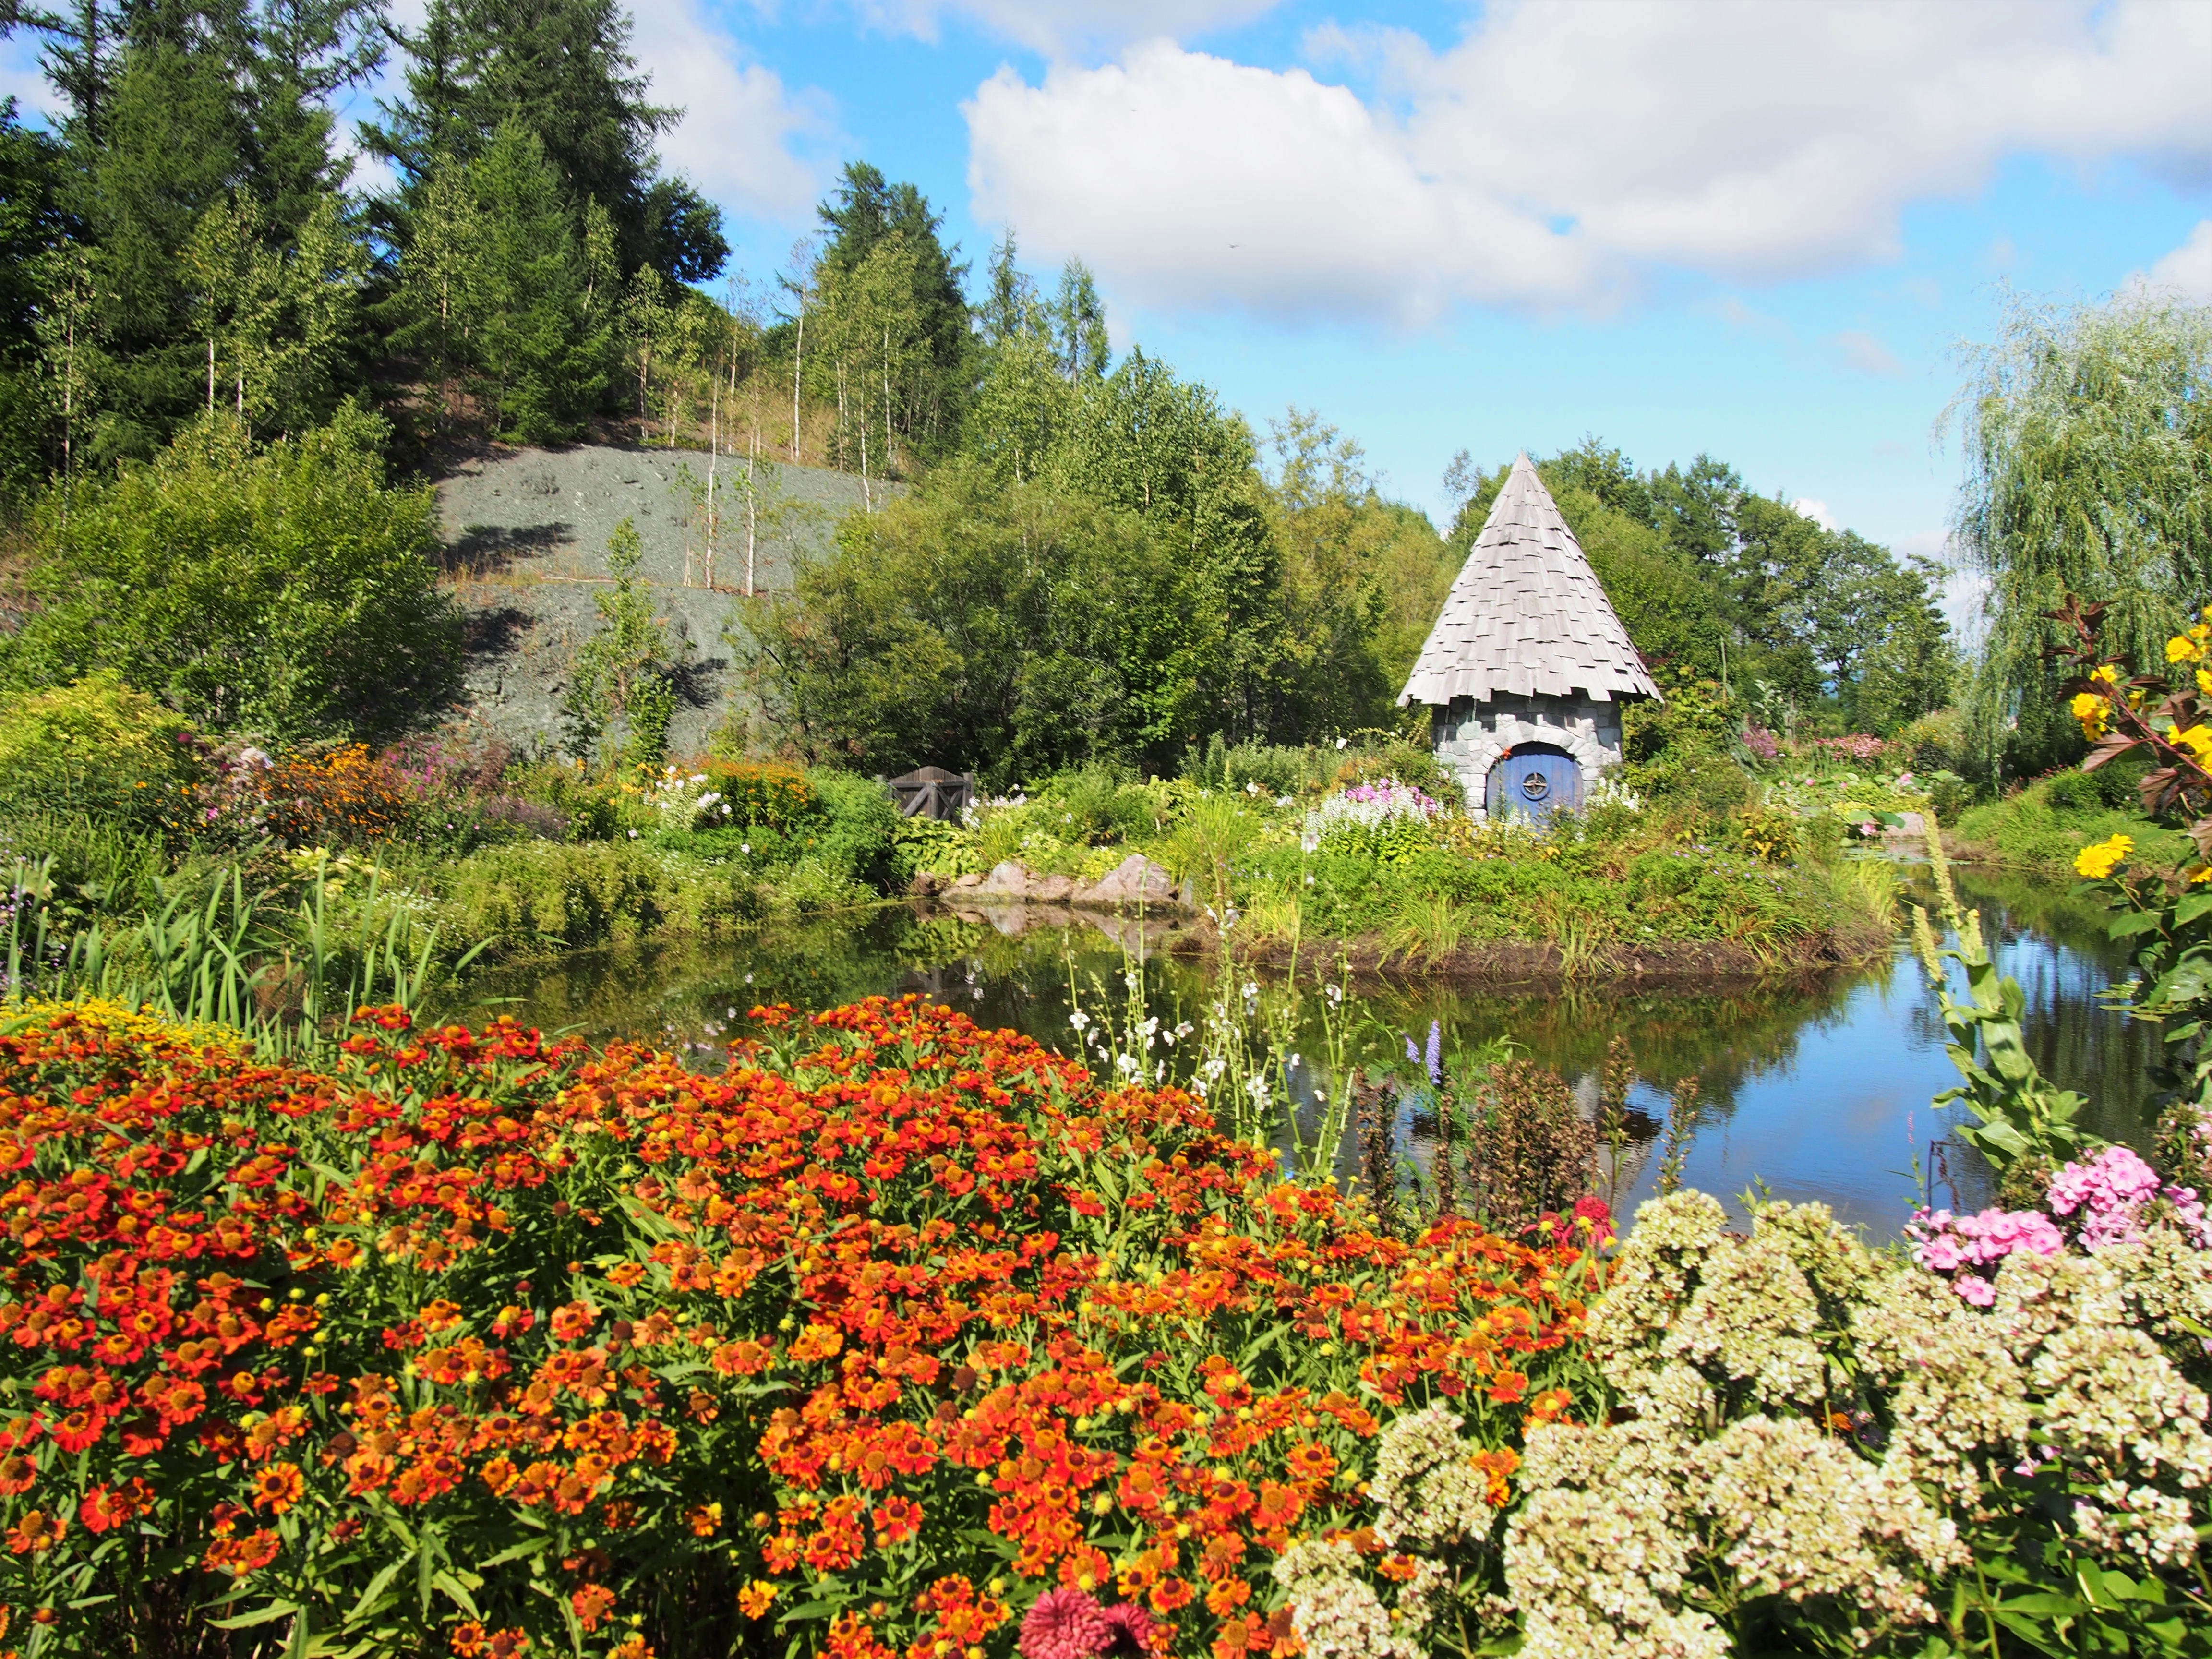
{"x":526,"y":534}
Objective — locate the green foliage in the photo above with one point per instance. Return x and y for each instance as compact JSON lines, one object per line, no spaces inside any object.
{"x":621,"y":678}
{"x":2088,"y":438}
{"x":1004,"y":630}
{"x":287,"y":591}
{"x":98,"y":747}
{"x":2040,"y":827}
{"x":2027,"y":1124}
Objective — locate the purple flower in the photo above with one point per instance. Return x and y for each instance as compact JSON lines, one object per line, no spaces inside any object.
{"x":1436,"y":1057}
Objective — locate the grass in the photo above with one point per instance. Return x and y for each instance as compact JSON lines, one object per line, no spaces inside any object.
{"x":2039,"y":831}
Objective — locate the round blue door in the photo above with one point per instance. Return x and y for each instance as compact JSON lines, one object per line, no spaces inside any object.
{"x":1534,"y":781}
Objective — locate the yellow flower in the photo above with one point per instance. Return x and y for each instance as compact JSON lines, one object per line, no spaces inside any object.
{"x":2091,"y":710}
{"x":2204,"y":681}
{"x":2198,"y":740}
{"x":2198,"y":876}
{"x":2100,"y":860}
{"x":2182,"y":648}
{"x":2108,"y":673}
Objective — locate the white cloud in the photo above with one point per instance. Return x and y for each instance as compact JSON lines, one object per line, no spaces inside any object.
{"x":22,"y":79}
{"x":2186,"y":272}
{"x":742,"y":129}
{"x":1057,"y":25}
{"x":1561,"y":153}
{"x":1864,"y":353}
{"x":1806,"y":507}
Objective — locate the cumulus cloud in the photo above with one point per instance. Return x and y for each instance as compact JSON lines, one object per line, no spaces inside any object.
{"x":1560,"y":155}
{"x":743,"y":132}
{"x":1806,"y":507}
{"x":1057,"y":25}
{"x":2186,"y":272}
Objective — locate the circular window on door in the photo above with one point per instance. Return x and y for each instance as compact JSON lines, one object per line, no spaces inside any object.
{"x":1535,"y":787}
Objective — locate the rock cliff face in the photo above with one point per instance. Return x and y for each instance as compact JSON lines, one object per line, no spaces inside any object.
{"x":527,"y":536}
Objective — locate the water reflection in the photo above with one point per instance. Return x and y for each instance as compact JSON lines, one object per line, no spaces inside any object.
{"x":1816,"y":1090}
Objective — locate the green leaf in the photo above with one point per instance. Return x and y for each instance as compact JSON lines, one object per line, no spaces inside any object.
{"x":456,"y":1593}
{"x":267,"y":1615}
{"x":371,"y":1597}
{"x":2143,"y":921}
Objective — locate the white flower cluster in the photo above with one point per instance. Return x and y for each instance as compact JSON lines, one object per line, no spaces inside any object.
{"x":1427,"y":1492}
{"x":1333,"y":1609}
{"x":1749,"y":1368}
{"x":1367,"y":809}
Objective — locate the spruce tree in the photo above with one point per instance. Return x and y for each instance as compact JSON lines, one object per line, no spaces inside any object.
{"x":545,"y":359}
{"x":564,"y":70}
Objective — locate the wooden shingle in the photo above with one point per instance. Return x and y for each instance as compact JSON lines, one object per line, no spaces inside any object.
{"x":1527,"y":614}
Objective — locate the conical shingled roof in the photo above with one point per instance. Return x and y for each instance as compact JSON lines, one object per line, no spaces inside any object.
{"x":1527,"y":614}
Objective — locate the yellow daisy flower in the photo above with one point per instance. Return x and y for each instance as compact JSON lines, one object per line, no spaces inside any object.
{"x":2097,"y":861}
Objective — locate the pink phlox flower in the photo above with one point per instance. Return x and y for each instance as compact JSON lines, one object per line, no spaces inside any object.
{"x":2110,"y":1191}
{"x":1979,"y":1291}
{"x":1065,"y":1623}
{"x":1945,"y":1242}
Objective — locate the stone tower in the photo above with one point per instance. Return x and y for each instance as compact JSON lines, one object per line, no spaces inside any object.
{"x":1526,"y":670}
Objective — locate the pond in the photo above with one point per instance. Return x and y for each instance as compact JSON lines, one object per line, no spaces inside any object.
{"x":1815,"y":1090}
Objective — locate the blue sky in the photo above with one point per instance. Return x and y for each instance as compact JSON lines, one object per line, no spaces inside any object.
{"x":1744,"y":226}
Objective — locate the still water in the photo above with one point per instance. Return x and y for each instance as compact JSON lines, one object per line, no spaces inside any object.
{"x":1815,"y":1089}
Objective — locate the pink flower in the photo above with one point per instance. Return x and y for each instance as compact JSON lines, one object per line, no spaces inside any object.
{"x":1132,"y":1628}
{"x":1941,"y":1254}
{"x":2110,"y":1191}
{"x":1065,"y":1623}
{"x":1979,"y":1291}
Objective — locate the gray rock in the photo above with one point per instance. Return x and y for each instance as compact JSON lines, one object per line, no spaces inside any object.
{"x":1007,"y":879}
{"x":1135,"y":880}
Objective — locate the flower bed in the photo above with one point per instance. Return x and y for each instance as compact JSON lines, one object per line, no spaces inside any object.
{"x":481,"y":1345}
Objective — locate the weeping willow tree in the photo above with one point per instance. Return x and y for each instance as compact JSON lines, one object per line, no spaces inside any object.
{"x":2088,"y":439}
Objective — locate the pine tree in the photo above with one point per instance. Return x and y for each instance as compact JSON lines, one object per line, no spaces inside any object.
{"x":171,"y":152}
{"x":31,"y":227}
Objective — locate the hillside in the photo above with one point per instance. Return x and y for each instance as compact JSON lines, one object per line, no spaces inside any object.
{"x":526,"y":532}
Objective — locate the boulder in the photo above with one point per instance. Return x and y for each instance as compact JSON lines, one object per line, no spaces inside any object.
{"x":968,"y":883}
{"x":1008,"y":879}
{"x":1135,"y":880}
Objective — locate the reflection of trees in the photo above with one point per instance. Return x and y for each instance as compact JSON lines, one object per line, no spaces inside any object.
{"x":2056,"y":946}
{"x":1723,"y":1037}
{"x":682,"y":993}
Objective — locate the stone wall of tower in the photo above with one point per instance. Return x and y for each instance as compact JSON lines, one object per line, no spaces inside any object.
{"x":1471,"y":736}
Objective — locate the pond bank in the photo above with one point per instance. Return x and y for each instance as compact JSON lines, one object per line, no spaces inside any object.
{"x":1690,"y":964}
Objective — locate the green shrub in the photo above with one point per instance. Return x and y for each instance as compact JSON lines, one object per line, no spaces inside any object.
{"x":1936,"y":742}
{"x":857,"y":835}
{"x":289,"y":591}
{"x":98,"y":747}
{"x":542,"y":893}
{"x":763,"y":792}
